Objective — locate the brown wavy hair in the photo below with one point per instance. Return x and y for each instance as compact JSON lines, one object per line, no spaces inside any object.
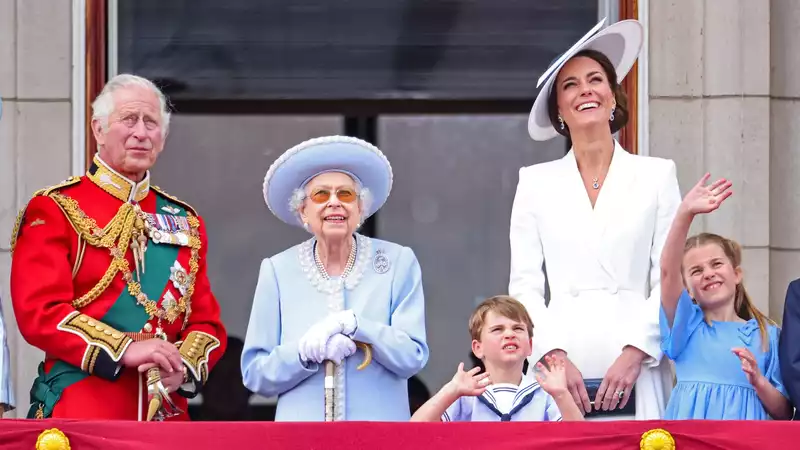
{"x":621,"y":114}
{"x":503,"y":305}
{"x":742,"y":304}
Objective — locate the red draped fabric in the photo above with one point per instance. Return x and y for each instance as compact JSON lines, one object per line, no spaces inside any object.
{"x":688,"y":435}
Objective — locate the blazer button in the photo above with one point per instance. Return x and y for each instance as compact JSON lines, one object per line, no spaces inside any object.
{"x":614,"y":289}
{"x":574,"y":292}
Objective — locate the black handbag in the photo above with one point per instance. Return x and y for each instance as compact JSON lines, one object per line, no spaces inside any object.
{"x":592,"y":386}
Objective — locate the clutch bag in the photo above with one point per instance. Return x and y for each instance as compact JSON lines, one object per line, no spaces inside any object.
{"x":592,"y":386}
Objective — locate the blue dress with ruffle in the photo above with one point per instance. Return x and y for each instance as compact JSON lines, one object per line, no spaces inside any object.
{"x":711,"y":383}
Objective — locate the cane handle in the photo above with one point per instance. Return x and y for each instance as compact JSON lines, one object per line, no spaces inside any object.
{"x":367,"y":349}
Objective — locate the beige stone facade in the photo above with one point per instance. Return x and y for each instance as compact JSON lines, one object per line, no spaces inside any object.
{"x":724,"y":97}
{"x":35,"y":135}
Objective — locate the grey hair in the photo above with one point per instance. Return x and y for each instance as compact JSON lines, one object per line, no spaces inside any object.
{"x":299,"y":195}
{"x":103,"y":105}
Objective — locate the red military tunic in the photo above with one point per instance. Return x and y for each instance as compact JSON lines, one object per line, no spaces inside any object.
{"x":74,"y":290}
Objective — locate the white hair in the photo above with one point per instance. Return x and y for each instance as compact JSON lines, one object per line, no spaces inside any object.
{"x":103,"y":105}
{"x":299,"y":196}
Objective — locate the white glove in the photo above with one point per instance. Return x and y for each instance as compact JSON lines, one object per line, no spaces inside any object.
{"x":339,"y":347}
{"x":312,"y":344}
{"x":348,"y":321}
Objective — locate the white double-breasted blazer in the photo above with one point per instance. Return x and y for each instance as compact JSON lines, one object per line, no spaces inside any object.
{"x":602,"y":263}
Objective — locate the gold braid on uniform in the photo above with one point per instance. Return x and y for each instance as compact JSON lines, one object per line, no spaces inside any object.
{"x":195,"y":350}
{"x":46,"y":191}
{"x":126,"y":225}
{"x":15,"y":231}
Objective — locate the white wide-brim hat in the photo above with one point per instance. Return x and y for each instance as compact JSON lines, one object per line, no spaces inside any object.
{"x":620,"y":42}
{"x":362,"y":161}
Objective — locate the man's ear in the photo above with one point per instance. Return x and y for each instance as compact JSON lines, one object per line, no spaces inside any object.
{"x":98,"y":132}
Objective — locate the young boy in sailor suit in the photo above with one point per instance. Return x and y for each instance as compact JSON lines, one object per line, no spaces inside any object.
{"x":502,"y":333}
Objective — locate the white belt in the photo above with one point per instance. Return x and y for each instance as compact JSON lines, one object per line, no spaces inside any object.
{"x":613,"y":290}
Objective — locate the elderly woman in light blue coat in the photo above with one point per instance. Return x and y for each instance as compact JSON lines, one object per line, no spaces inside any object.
{"x":6,"y":391}
{"x":315,"y":301}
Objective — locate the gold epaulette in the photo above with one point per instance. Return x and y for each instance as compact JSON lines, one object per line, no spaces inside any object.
{"x":187,"y":206}
{"x":41,"y":192}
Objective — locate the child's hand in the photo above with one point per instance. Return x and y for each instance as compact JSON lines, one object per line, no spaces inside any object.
{"x":554,"y":379}
{"x":469,"y":383}
{"x":704,"y":199}
{"x":749,"y":366}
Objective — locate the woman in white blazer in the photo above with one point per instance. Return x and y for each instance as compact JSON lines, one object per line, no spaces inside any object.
{"x":596,"y":220}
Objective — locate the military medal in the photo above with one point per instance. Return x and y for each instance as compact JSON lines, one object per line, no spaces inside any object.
{"x":179,"y":277}
{"x":168,"y":229}
{"x":139,"y":241}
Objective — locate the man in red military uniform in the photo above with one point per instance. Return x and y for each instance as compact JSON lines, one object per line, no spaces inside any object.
{"x":108,"y":277}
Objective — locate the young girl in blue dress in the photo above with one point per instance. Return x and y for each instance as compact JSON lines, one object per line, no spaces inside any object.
{"x":725,"y":350}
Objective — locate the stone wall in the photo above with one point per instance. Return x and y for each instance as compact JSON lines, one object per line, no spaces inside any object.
{"x":35,"y":134}
{"x":723,"y":99}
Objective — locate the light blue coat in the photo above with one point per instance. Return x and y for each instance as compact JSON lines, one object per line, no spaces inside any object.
{"x":389,"y":306}
{"x":6,"y":391}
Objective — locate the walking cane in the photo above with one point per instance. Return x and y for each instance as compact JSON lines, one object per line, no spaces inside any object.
{"x":330,"y":374}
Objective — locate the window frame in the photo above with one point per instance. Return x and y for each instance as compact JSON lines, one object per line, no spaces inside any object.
{"x":100,"y":60}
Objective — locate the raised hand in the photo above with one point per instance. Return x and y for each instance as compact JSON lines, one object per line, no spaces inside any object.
{"x":469,"y":383}
{"x":553,"y":378}
{"x":575,"y":383}
{"x":703,"y":199}
{"x":749,"y":366}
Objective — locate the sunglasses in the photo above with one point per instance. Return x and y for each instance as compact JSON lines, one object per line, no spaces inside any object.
{"x":344,"y":195}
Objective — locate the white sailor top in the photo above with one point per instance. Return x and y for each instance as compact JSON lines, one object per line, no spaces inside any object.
{"x":527,"y":402}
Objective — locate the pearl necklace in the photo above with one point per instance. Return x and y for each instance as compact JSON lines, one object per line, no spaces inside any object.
{"x":351,"y":261}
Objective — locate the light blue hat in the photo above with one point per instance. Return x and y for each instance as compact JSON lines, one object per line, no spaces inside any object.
{"x":364,"y":162}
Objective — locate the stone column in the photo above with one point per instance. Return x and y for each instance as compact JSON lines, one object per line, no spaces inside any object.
{"x":784,"y":151}
{"x":35,"y":136}
{"x":710,"y":111}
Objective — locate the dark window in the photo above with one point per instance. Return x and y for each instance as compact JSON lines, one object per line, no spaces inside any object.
{"x":442,"y":87}
{"x":344,"y":50}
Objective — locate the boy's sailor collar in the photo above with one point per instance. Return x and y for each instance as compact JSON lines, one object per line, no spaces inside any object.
{"x":527,"y":387}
